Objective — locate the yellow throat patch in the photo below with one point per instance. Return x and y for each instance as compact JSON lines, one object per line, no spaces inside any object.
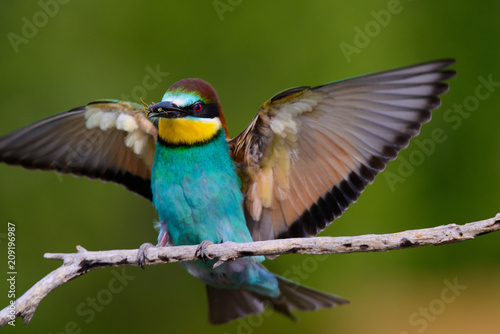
{"x":188,"y":131}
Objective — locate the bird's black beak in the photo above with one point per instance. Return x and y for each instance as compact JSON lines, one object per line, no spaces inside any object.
{"x":165,"y":109}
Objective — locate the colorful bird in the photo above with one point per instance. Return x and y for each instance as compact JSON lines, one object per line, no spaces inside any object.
{"x":307,"y":155}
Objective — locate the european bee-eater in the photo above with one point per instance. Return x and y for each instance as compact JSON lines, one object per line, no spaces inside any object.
{"x":307,"y":155}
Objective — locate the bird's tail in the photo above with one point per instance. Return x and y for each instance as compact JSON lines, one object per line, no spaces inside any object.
{"x":226,"y":304}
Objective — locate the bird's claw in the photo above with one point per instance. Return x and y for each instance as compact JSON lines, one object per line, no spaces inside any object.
{"x":142,"y":258}
{"x":202,"y":252}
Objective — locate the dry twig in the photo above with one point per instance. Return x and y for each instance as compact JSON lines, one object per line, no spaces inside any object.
{"x":80,"y":263}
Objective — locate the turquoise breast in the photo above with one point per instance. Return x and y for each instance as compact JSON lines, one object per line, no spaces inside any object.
{"x":196,"y":191}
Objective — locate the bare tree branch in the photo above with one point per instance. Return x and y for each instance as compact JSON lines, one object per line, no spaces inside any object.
{"x":77,"y":264}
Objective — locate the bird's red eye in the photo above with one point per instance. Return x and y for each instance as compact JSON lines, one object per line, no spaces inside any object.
{"x":197,"y":107}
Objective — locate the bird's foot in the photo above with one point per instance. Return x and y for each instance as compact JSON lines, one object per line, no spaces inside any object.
{"x":142,"y":258}
{"x":163,"y":240}
{"x":202,"y":252}
{"x":163,"y":237}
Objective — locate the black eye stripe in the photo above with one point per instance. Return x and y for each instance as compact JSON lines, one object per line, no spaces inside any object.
{"x":198,"y":109}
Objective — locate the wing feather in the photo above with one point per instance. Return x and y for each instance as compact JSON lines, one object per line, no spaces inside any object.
{"x":310,"y":152}
{"x":108,"y":140}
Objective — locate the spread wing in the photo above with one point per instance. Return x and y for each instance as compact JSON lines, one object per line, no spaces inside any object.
{"x":310,"y":152}
{"x":108,"y":140}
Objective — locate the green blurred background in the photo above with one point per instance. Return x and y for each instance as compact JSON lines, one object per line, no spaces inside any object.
{"x":250,"y":50}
